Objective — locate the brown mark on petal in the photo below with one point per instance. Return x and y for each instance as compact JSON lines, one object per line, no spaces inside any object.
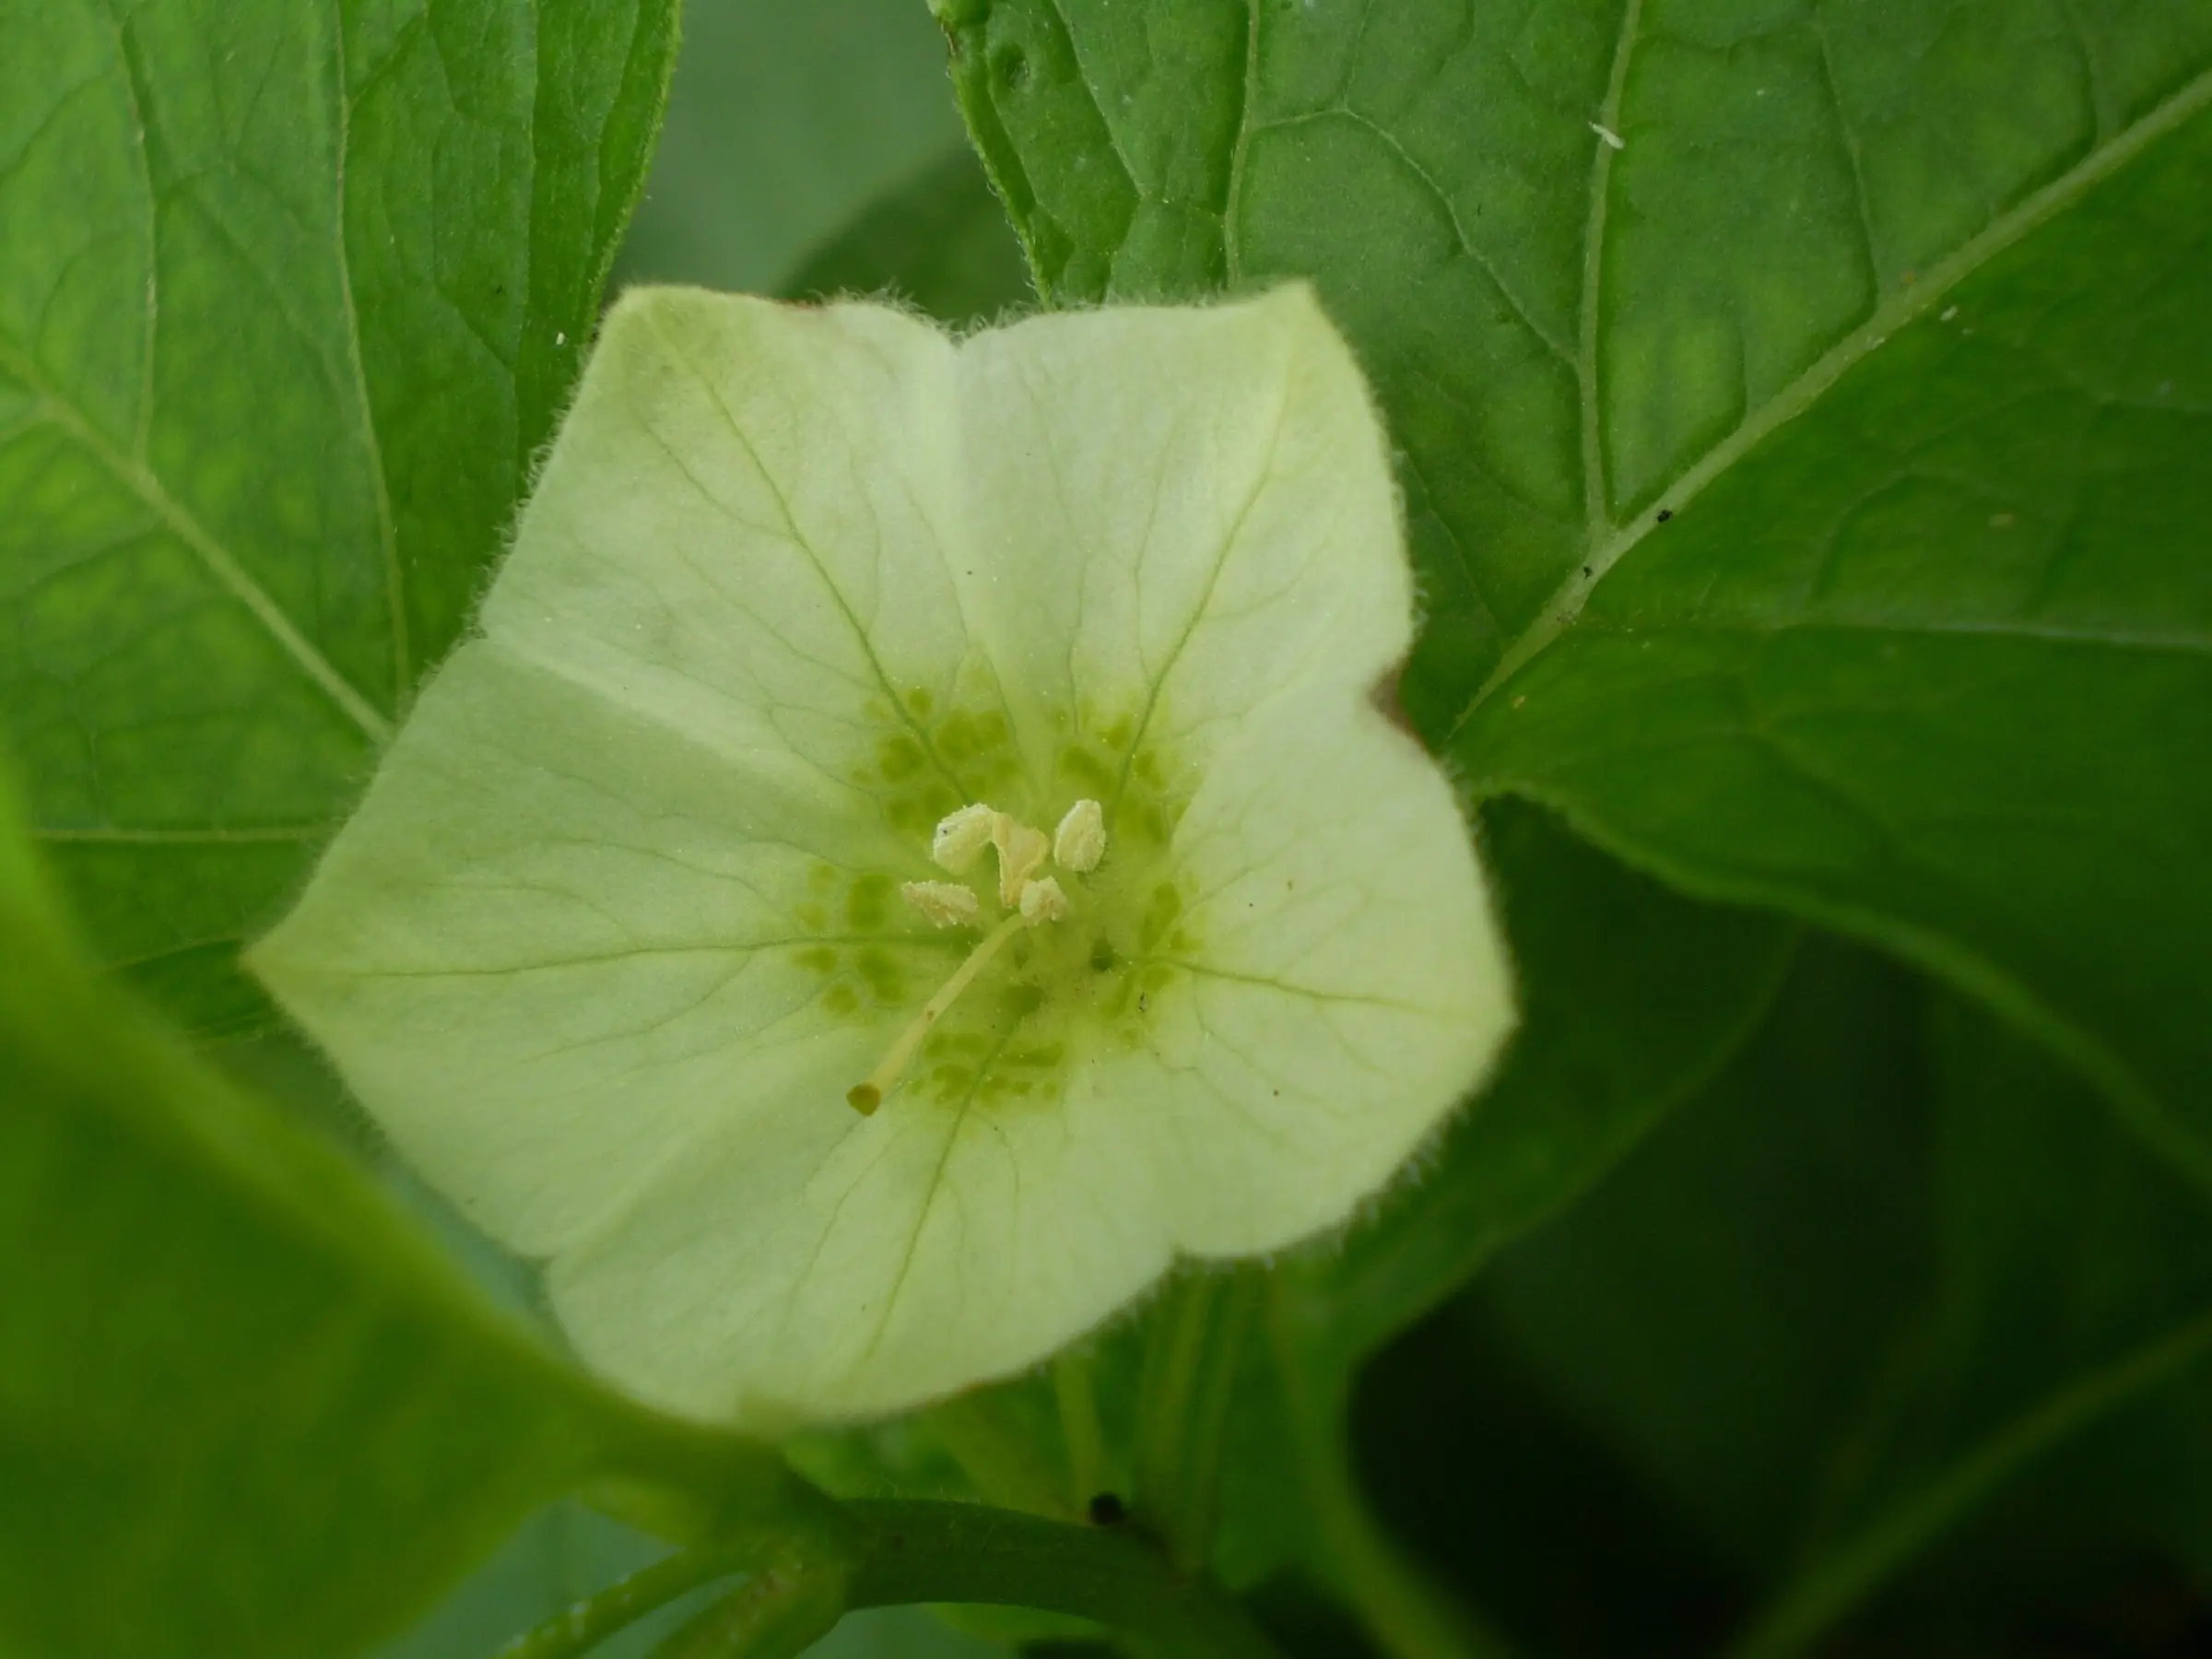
{"x":1384,"y":696}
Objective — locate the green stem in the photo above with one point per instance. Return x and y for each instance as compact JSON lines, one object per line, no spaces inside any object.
{"x":621,"y":1605}
{"x":917,"y":1552}
{"x":1818,"y":1598}
{"x":1075,"y":1390}
{"x":1184,"y":1397}
{"x":778,"y":1613}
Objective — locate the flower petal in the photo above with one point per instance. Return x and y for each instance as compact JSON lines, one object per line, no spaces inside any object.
{"x":560,"y":942}
{"x":617,"y":927}
{"x":1176,"y":515}
{"x":1334,"y":985}
{"x":741,"y":533}
{"x":811,"y":1266}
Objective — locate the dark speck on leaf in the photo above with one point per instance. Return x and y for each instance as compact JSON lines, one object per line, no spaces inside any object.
{"x":1106,"y":1509}
{"x":1665,"y":513}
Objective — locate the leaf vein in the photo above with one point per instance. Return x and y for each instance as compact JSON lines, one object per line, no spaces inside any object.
{"x":1907,"y":305}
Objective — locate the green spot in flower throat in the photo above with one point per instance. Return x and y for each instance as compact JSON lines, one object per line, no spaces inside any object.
{"x":935,"y":752}
{"x":886,"y":981}
{"x":868,"y":905}
{"x":1044,"y":978}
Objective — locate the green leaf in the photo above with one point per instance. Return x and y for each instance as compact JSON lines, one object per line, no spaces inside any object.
{"x":1933,"y":664}
{"x":289,"y":296}
{"x":2074,"y":1285}
{"x":245,"y":1409}
{"x":1897,"y":313}
{"x":1716,"y":1307}
{"x":787,"y":119}
{"x":939,"y":241}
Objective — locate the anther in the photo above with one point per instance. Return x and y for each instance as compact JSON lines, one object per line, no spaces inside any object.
{"x":962,"y":836}
{"x":1030,"y":901}
{"x":1021,"y":852}
{"x":1080,"y":841}
{"x":942,"y":903}
{"x":1042,"y":901}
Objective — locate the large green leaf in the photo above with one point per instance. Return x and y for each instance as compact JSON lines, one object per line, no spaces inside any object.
{"x":1934,"y":663}
{"x":1802,"y":409}
{"x":290,"y":293}
{"x":245,"y":1407}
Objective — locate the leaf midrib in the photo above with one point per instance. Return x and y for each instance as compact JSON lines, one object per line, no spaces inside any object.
{"x":1590,"y":320}
{"x":1564,"y":607}
{"x":214,"y":557}
{"x":387,"y":533}
{"x":140,"y":480}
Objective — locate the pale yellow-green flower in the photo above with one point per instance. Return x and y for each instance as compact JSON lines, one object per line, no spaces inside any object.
{"x":977,"y":734}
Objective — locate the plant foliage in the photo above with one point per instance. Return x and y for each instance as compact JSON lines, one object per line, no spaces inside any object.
{"x":1801,"y":411}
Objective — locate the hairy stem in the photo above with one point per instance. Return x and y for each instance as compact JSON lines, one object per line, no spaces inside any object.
{"x":1183,"y":1401}
{"x":917,"y":1552}
{"x":591,"y":1621}
{"x":778,"y":1613}
{"x":1074,"y":1392}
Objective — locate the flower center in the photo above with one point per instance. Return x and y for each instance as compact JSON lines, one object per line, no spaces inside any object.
{"x":1028,"y":898}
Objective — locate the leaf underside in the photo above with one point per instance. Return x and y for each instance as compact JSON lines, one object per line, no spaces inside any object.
{"x":243,"y":1408}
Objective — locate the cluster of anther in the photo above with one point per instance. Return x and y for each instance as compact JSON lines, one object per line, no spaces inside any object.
{"x":1028,"y":898}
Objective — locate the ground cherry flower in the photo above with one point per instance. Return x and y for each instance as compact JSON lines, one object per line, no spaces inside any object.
{"x":912,"y":848}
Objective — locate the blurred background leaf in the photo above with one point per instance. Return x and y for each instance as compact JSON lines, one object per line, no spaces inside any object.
{"x":245,"y":1407}
{"x":788,"y":117}
{"x":940,"y":241}
{"x":1608,"y":1438}
{"x":1892,"y":1322}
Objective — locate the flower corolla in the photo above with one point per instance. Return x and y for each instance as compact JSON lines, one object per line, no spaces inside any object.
{"x":911,"y":849}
